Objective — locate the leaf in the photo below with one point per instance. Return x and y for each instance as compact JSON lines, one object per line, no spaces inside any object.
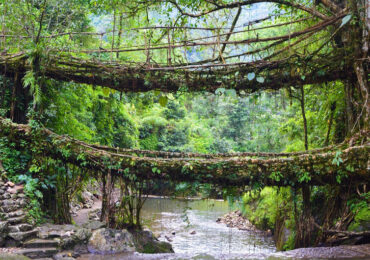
{"x":220,"y":91}
{"x":251,"y":76}
{"x":303,"y":77}
{"x":163,"y":101}
{"x":260,"y":79}
{"x":170,"y":96}
{"x":345,"y":20}
{"x":231,"y":92}
{"x":106,"y":91}
{"x":321,"y":73}
{"x":38,"y":194}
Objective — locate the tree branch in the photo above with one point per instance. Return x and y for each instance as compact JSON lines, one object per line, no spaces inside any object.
{"x":248,"y":2}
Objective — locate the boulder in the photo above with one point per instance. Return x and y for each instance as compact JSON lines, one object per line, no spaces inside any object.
{"x":65,"y":256}
{"x":94,"y":224}
{"x":70,"y":238}
{"x":110,"y":241}
{"x":146,"y":242}
{"x":8,"y":256}
{"x":87,"y":199}
{"x":82,"y":235}
{"x":94,"y":214}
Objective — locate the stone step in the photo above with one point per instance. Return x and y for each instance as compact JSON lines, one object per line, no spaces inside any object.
{"x":22,"y":236}
{"x":9,"y":208}
{"x":16,"y":213}
{"x":4,"y":227}
{"x":20,"y":228}
{"x":17,"y":220}
{"x":37,"y":253}
{"x":40,"y":243}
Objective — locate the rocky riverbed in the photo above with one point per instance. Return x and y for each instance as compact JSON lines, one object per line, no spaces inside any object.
{"x":235,"y":219}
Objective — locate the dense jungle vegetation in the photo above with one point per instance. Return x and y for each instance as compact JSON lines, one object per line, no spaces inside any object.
{"x":292,"y":118}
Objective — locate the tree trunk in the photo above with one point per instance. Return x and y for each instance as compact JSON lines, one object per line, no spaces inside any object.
{"x":332,"y":110}
{"x":14,"y":96}
{"x":304,"y":231}
{"x":364,"y":88}
{"x":119,"y":34}
{"x":107,"y":199}
{"x":304,"y":118}
{"x":350,"y":110}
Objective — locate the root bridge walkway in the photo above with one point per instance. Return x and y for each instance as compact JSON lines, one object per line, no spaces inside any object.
{"x":334,"y":165}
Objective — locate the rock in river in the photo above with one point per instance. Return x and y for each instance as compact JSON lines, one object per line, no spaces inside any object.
{"x":110,"y":241}
{"x":146,"y":242}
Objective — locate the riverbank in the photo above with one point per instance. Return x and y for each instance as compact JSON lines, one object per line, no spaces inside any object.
{"x":339,"y":252}
{"x":235,"y":219}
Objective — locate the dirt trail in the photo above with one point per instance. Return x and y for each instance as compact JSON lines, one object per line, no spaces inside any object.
{"x":83,"y":214}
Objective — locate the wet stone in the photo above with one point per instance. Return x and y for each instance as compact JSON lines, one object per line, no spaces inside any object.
{"x":109,"y":241}
{"x":17,"y":213}
{"x":10,"y":184}
{"x":12,"y":191}
{"x":20,"y":228}
{"x":7,"y":202}
{"x":22,"y":202}
{"x":21,"y":236}
{"x":3,"y":226}
{"x":21,"y":195}
{"x":10,"y":208}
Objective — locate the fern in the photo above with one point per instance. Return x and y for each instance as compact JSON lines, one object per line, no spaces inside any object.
{"x":29,"y":80}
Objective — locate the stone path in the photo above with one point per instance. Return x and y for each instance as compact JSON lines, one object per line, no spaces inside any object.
{"x":82,"y":216}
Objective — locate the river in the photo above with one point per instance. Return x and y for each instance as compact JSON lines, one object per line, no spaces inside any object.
{"x":191,"y":227}
{"x":193,"y":223}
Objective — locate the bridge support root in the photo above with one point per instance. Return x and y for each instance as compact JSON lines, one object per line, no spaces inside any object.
{"x":107,"y":211}
{"x":305,"y":225}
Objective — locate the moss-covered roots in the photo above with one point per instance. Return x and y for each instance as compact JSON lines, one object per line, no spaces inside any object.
{"x":137,"y":78}
{"x":338,"y":165}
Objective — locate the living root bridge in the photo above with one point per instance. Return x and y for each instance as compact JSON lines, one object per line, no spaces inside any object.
{"x":315,"y":167}
{"x":140,"y":78}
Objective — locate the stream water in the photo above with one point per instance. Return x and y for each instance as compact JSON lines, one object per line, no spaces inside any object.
{"x":191,"y":227}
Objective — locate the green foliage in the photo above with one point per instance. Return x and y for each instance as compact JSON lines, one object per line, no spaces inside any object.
{"x":14,"y":157}
{"x":337,"y":160}
{"x":361,"y":208}
{"x":149,"y":143}
{"x":32,"y":191}
{"x":290,"y":243}
{"x":29,"y":80}
{"x":261,"y":207}
{"x":276,"y":176}
{"x":304,"y":177}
